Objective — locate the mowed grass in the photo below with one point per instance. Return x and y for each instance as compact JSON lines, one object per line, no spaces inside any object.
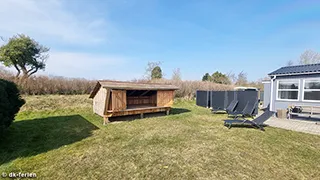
{"x":58,"y":137}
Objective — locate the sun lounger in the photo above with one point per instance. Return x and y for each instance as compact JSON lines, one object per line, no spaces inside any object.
{"x":248,"y":110}
{"x":232,"y":106}
{"x":257,"y":122}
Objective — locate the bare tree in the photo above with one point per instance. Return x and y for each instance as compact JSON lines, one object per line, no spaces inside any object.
{"x":290,"y":63}
{"x":242,"y":79}
{"x":176,"y":75}
{"x":232,"y":77}
{"x":309,"y":57}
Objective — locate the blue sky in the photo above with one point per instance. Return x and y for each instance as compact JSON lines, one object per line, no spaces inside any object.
{"x":114,"y":39}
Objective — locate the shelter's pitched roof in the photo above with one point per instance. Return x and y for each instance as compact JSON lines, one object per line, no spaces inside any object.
{"x":130,"y":86}
{"x":295,"y":70}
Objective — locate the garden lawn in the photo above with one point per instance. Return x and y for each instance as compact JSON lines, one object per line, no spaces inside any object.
{"x":58,"y":137}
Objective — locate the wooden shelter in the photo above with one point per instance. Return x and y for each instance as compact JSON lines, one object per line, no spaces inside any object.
{"x":116,"y":98}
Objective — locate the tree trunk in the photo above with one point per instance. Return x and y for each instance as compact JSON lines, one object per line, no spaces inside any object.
{"x":18,"y":73}
{"x":24,"y":76}
{"x":32,"y":72}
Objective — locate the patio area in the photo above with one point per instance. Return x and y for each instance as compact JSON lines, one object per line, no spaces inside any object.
{"x":300,"y":124}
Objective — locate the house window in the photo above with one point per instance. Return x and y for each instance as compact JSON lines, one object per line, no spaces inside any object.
{"x":288,"y":90}
{"x":311,"y":90}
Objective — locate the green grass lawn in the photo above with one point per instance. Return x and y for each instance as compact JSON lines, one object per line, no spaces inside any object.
{"x":58,"y":137}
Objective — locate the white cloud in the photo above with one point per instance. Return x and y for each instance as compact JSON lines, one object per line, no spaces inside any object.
{"x":53,"y":24}
{"x":85,"y":65}
{"x":49,"y":20}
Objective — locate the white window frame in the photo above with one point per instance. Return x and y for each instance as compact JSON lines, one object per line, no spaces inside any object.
{"x":303,"y":90}
{"x":288,"y":80}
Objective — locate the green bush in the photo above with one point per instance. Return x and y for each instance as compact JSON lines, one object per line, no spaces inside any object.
{"x":10,"y":103}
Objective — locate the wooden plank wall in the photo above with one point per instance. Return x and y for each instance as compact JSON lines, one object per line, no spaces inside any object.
{"x":139,"y":111}
{"x":99,"y":101}
{"x":119,"y":100}
{"x":110,"y":102}
{"x":136,"y":100}
{"x":107,"y":101}
{"x":153,"y":99}
{"x":165,"y":98}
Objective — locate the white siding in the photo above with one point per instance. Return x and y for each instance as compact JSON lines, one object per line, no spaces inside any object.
{"x":283,"y":104}
{"x":266,"y":94}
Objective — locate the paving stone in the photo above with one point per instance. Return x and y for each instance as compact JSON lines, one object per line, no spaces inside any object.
{"x":296,"y":125}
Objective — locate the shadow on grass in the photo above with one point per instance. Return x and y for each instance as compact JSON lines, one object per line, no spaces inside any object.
{"x":219,"y":112}
{"x":246,"y":126}
{"x":35,"y":136}
{"x":173,"y":111}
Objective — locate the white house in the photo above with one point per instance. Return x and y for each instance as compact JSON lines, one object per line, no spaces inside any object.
{"x":293,"y":85}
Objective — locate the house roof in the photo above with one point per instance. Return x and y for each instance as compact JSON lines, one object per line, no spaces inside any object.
{"x":124,"y":85}
{"x":296,"y":70}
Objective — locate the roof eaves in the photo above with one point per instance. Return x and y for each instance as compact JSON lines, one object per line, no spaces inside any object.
{"x":95,"y":90}
{"x":290,"y":74}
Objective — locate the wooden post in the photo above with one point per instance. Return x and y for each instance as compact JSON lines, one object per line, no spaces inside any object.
{"x":141,"y":115}
{"x":105,"y":120}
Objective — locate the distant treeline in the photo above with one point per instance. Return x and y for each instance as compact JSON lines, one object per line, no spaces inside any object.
{"x":187,"y":89}
{"x":41,"y":85}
